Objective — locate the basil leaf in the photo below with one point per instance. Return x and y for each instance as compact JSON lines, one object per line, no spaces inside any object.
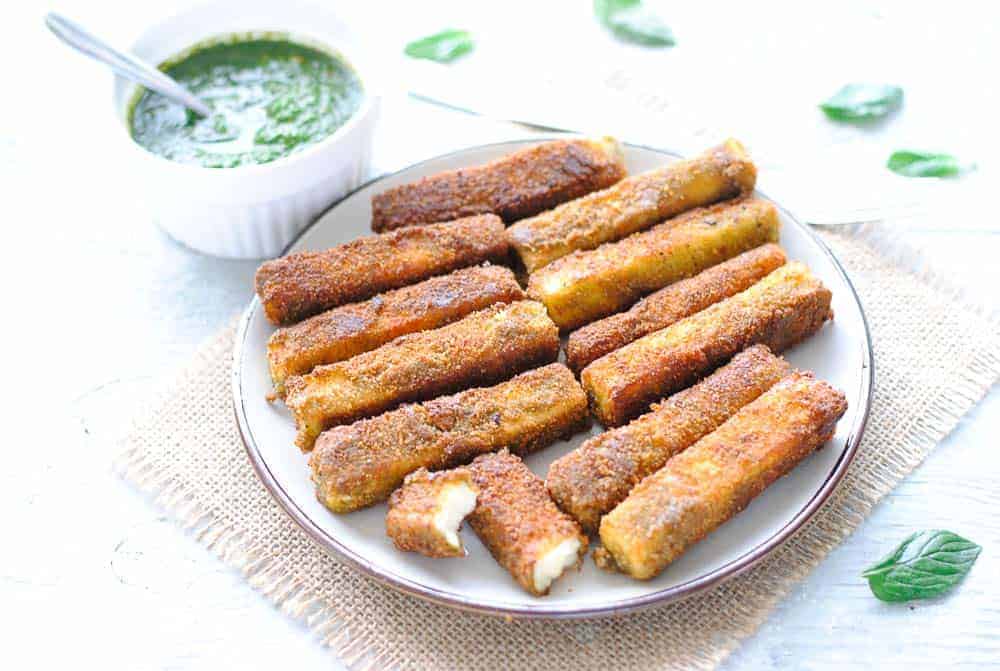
{"x":925,"y":565}
{"x":443,"y":47}
{"x":863,"y":102}
{"x":923,"y":164}
{"x":630,"y":21}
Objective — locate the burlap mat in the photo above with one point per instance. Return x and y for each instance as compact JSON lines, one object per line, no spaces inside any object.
{"x":935,"y":357}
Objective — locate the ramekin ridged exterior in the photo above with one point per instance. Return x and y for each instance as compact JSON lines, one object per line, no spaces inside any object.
{"x":251,"y":211}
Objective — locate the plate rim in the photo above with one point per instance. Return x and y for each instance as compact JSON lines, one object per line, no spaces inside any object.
{"x":737,"y":566}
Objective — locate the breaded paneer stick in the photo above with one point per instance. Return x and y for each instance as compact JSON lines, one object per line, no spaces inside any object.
{"x":426,"y":513}
{"x":666,"y":306}
{"x":513,"y":187}
{"x":635,"y":203}
{"x":357,"y":465}
{"x":594,"y":478}
{"x":300,"y":285}
{"x":782,"y":309}
{"x":588,"y":285}
{"x":343,"y":332}
{"x":481,"y":348}
{"x":520,"y":525}
{"x":707,"y":484}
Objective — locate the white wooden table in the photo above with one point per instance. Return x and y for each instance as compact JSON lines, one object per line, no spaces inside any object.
{"x":100,"y":305}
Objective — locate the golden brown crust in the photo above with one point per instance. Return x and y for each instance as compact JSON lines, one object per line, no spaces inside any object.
{"x":481,"y":348}
{"x":588,"y":285}
{"x":707,"y":484}
{"x":360,"y":464}
{"x":594,"y":478}
{"x":515,"y":518}
{"x":780,"y":310}
{"x":300,"y":285}
{"x":349,"y":330}
{"x":634,"y":203}
{"x":671,"y":304}
{"x":413,"y":507}
{"x":513,"y":187}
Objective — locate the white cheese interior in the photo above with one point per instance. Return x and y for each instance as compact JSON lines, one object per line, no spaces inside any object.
{"x":454,"y":503}
{"x":552,"y":564}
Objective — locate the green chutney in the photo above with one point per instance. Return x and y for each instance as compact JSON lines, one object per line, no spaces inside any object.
{"x":269,"y":97}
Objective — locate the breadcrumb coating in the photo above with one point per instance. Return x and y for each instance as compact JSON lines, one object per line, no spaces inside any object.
{"x":707,"y":484}
{"x":412,"y":521}
{"x":343,"y":332}
{"x":671,"y":304}
{"x":515,"y":518}
{"x":782,"y":309}
{"x":634,"y":203}
{"x":481,"y":348}
{"x":304,"y":284}
{"x":594,"y":478}
{"x":360,"y":464}
{"x":519,"y":185}
{"x":588,"y":285}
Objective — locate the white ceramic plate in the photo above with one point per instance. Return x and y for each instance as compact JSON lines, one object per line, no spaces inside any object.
{"x":840,"y":353}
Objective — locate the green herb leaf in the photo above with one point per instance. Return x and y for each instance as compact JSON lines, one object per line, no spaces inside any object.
{"x":630,"y":21}
{"x":443,"y":47}
{"x":863,"y":102}
{"x":925,"y":565}
{"x":923,"y":164}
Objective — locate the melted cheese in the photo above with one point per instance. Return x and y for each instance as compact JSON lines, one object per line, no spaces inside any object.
{"x":552,"y":564}
{"x":454,"y":503}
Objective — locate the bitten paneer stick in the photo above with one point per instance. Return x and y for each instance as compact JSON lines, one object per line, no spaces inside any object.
{"x":594,"y":478}
{"x":481,"y":348}
{"x":707,"y":484}
{"x":357,"y":465}
{"x":585,"y":286}
{"x":782,"y":309}
{"x":349,"y":330}
{"x":513,"y":187}
{"x":669,"y":305}
{"x":426,"y":513}
{"x":300,"y":285}
{"x":520,"y":525}
{"x":635,"y":203}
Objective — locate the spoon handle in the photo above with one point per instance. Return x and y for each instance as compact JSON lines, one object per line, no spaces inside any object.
{"x":124,"y":64}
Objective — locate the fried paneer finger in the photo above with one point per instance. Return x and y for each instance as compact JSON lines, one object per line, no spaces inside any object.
{"x":357,"y":465}
{"x":300,"y":285}
{"x":426,"y":513}
{"x":349,"y":330}
{"x":782,"y":309}
{"x":588,"y":285}
{"x":635,"y":203}
{"x":594,"y":478}
{"x":513,"y":187}
{"x":707,"y":484}
{"x":481,"y":348}
{"x":520,"y":525}
{"x":669,"y":305}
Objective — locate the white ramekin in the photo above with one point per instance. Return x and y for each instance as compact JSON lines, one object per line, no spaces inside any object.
{"x":251,"y":211}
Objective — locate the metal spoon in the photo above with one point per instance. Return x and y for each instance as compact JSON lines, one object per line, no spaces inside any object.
{"x":126,"y":65}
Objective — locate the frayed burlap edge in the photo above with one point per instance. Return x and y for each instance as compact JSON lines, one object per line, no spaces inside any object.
{"x":889,"y":240}
{"x":281,"y":583}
